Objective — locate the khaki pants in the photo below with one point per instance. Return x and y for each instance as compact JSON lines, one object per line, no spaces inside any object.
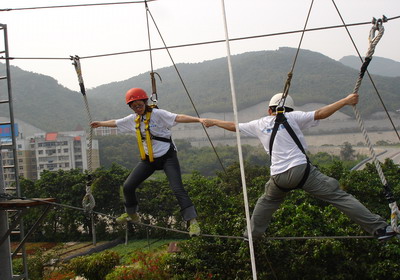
{"x":318,"y":185}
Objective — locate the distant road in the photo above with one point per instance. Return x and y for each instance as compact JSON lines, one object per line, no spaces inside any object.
{"x":392,"y":153}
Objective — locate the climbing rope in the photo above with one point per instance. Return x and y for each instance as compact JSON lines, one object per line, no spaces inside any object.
{"x":88,"y":201}
{"x":377,"y":25}
{"x":370,"y":78}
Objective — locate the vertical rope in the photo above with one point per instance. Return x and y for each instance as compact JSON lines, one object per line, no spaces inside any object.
{"x":373,"y":40}
{"x":246,"y":203}
{"x":88,"y":201}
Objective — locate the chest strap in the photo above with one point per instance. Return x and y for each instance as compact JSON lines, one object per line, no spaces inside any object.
{"x":281,"y":120}
{"x":148,"y":137}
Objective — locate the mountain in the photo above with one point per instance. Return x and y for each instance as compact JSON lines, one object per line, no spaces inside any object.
{"x":41,"y":101}
{"x":378,"y":65}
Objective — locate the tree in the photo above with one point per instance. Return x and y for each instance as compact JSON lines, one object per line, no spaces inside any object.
{"x":347,"y":152}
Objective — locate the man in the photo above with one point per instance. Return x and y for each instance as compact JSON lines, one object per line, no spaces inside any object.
{"x":291,"y":169}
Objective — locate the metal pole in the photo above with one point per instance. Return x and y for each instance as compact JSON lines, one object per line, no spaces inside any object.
{"x":5,"y":250}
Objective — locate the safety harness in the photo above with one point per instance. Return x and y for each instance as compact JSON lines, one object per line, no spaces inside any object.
{"x":281,"y":120}
{"x":149,"y":137}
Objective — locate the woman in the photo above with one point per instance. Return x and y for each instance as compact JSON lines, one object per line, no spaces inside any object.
{"x":158,"y":152}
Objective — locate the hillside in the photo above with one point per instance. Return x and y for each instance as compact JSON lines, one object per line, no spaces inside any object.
{"x":41,"y":101}
{"x":378,"y":66}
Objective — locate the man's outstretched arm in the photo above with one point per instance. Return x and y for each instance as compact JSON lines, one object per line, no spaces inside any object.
{"x":328,"y":110}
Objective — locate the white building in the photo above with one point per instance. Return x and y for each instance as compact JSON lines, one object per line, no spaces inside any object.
{"x":50,"y":151}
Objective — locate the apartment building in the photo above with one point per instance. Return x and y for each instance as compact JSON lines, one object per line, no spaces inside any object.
{"x":50,"y":151}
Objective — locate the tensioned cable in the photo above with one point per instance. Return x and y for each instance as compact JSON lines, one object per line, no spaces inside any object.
{"x":290,"y":74}
{"x":204,"y":43}
{"x":148,"y":35}
{"x":71,"y":6}
{"x":185,"y":232}
{"x":369,"y":75}
{"x":184,"y":86}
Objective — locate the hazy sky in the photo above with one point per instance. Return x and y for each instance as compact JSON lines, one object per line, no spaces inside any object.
{"x":97,"y":30}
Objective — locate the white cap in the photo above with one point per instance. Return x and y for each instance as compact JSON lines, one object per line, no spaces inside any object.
{"x":277,"y":98}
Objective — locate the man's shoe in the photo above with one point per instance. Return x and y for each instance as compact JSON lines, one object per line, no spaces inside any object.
{"x":385,"y":233}
{"x":124,"y":218}
{"x":194,"y":229}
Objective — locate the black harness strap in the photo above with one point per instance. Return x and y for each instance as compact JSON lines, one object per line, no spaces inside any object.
{"x":162,"y":139}
{"x":281,"y":120}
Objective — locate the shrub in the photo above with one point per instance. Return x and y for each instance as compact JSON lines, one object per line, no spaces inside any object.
{"x":60,"y":275}
{"x":36,"y":264}
{"x":146,"y":266}
{"x":95,"y":267}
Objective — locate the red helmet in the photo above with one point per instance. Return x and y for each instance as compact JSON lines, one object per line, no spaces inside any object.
{"x":135,"y":94}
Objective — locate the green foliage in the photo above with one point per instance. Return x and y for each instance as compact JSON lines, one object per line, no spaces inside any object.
{"x":299,"y":215}
{"x":68,"y":187}
{"x":142,"y":265}
{"x":36,"y":264}
{"x":220,"y":205}
{"x":118,"y":149}
{"x":60,"y":275}
{"x":94,"y":267}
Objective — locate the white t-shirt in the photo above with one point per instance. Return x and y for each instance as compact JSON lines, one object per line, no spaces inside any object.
{"x":285,"y":153}
{"x":160,"y":123}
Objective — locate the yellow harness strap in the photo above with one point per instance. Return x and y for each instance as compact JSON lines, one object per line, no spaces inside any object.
{"x":148,"y":137}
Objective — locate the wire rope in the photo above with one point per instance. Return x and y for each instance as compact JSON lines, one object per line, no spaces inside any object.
{"x":71,"y":6}
{"x":369,"y":75}
{"x":198,"y":43}
{"x":187,"y":233}
{"x":290,"y":74}
{"x":186,"y":90}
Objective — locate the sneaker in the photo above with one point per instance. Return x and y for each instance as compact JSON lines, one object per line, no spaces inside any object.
{"x":194,"y":229}
{"x":124,"y":218}
{"x":385,"y":233}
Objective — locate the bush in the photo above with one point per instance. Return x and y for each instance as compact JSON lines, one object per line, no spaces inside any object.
{"x":148,"y":266}
{"x":60,"y":275}
{"x":95,"y":267}
{"x":36,"y":264}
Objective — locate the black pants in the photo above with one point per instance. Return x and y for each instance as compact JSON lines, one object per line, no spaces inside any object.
{"x":170,"y":164}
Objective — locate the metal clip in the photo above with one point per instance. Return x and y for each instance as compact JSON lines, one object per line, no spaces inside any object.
{"x":153,"y":97}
